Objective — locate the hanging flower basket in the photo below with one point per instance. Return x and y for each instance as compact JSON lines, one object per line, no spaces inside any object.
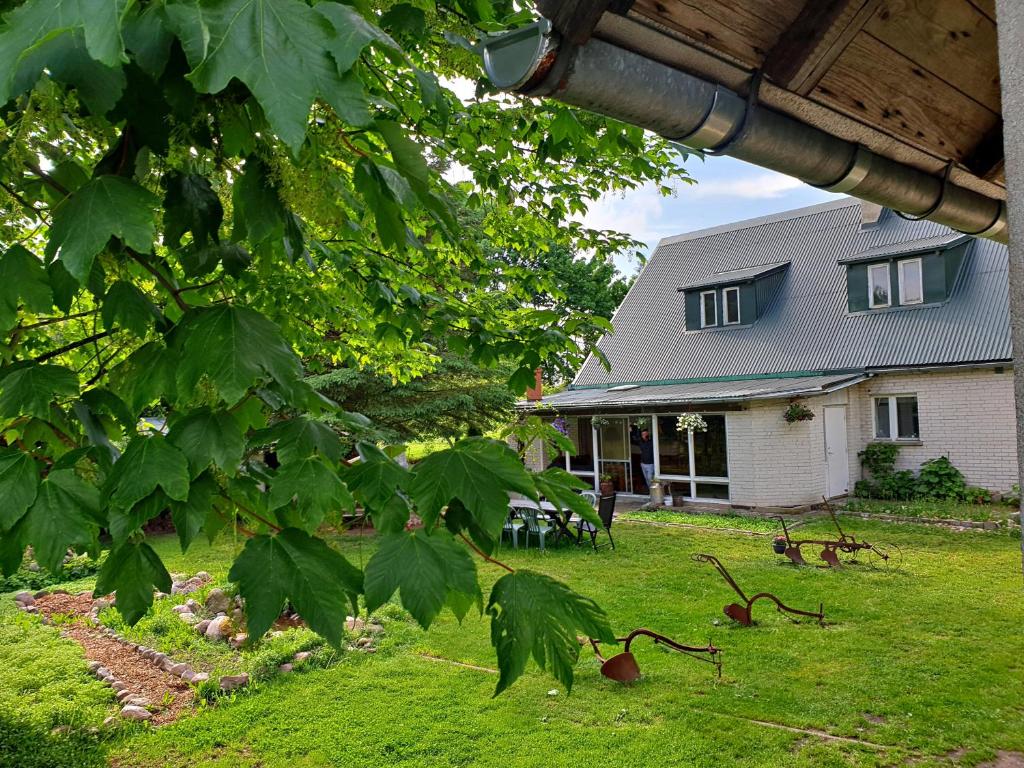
{"x":691,"y":421}
{"x":599,"y":422}
{"x":797,"y":412}
{"x":560,"y":425}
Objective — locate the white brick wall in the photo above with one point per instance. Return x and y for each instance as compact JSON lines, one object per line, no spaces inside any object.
{"x":967,"y":415}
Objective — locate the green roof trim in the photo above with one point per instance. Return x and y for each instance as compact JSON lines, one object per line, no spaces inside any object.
{"x":713,"y":379}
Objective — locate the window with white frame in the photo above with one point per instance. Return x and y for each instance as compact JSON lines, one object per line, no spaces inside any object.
{"x":731,"y":301}
{"x":708,"y":309}
{"x":911,"y":285}
{"x":896,"y":418}
{"x":878,"y":286}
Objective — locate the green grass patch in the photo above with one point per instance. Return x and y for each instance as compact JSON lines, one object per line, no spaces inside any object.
{"x":941,"y":510}
{"x":920,"y":662}
{"x":735,"y":522}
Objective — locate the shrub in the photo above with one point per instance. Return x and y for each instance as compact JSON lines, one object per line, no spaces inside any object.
{"x":879,"y":459}
{"x":896,"y":485}
{"x":975,"y":495}
{"x":939,"y":479}
{"x":32,"y":577}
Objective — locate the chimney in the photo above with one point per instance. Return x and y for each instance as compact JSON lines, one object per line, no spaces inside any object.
{"x":536,"y":392}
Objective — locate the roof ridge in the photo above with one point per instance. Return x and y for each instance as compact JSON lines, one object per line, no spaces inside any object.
{"x":794,"y":213}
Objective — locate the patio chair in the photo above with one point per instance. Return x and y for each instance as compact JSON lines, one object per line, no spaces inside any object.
{"x":605,"y":511}
{"x":512,"y":527}
{"x":535,"y":526}
{"x":590,"y":496}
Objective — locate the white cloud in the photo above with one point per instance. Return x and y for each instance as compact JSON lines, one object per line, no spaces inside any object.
{"x":761,"y":186}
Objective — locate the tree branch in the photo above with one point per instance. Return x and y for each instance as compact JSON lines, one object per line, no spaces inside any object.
{"x":73,"y":345}
{"x":488,"y":558}
{"x":175,"y":293}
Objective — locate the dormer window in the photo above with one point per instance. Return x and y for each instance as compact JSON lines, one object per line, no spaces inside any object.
{"x":708,"y":309}
{"x":904,"y":275}
{"x":731,"y":298}
{"x":878,"y":285}
{"x":731,"y":308}
{"x":911,"y":287}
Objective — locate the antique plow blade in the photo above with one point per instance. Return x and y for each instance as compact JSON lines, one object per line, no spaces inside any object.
{"x":623,"y":666}
{"x":742,"y":613}
{"x":881,"y":556}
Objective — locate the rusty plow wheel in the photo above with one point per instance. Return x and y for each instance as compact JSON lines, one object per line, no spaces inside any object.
{"x":884,"y":556}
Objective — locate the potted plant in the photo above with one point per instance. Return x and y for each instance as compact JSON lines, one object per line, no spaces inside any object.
{"x":797,"y":412}
{"x":692,"y":421}
{"x":779,"y":545}
{"x":607,"y":484}
{"x":599,"y":422}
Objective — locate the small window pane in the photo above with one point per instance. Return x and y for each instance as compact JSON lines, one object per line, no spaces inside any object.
{"x":882,"y":431}
{"x":583,"y":438}
{"x":906,"y":418}
{"x":732,"y":306}
{"x":910,"y":282}
{"x":712,"y":491}
{"x":710,"y":452}
{"x":878,"y":285}
{"x":709,"y":309}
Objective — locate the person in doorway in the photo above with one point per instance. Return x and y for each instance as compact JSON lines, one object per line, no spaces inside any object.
{"x":641,"y":437}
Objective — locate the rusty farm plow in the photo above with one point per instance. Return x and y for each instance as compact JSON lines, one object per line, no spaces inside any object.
{"x":835,"y":552}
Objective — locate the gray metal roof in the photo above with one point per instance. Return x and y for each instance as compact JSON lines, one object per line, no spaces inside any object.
{"x":696,"y":392}
{"x":735,"y":276}
{"x":923,"y":245}
{"x":807,"y":327}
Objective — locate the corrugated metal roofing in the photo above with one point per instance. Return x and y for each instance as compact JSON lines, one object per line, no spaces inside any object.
{"x":735,"y":275}
{"x":925,"y":244}
{"x":807,"y":327}
{"x":697,"y":392}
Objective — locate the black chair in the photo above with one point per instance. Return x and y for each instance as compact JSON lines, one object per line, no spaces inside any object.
{"x":605,"y":511}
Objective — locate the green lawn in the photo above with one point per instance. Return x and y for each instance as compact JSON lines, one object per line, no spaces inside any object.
{"x":915,"y":665}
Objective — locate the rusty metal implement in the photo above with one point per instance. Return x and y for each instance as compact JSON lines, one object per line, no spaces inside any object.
{"x":623,"y":667}
{"x":881,"y":556}
{"x":742,"y":613}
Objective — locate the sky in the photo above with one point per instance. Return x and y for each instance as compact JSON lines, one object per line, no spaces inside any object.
{"x":727,"y":190}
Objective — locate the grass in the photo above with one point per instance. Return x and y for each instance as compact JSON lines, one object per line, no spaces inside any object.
{"x":945,"y":510}
{"x":920,"y":663}
{"x":735,"y":522}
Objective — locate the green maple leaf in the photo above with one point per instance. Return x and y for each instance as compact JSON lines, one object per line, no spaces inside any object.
{"x":258,"y":213}
{"x":108,"y":206}
{"x":190,"y":516}
{"x":148,"y":463}
{"x":22,"y":280}
{"x":62,"y":516}
{"x":124,"y":522}
{"x":299,"y":437}
{"x":29,"y":391}
{"x":235,"y":348}
{"x":352,"y":33}
{"x":315,"y":487}
{"x":532,"y":614}
{"x":295,"y":566}
{"x":19,"y":483}
{"x":561,"y":489}
{"x":37,"y":22}
{"x":425,"y":569}
{"x":146,"y":376}
{"x":478,"y":472}
{"x":132,"y":571}
{"x":278,"y":48}
{"x":209,"y":437}
{"x":128,"y":307}
{"x":191,"y":205}
{"x":376,"y":481}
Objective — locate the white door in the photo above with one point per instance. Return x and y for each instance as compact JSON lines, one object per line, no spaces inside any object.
{"x":837,"y":456}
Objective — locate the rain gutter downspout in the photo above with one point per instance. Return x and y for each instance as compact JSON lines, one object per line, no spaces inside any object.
{"x":604,"y":78}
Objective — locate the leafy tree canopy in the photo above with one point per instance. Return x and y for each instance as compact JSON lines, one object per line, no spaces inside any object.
{"x":205,"y":200}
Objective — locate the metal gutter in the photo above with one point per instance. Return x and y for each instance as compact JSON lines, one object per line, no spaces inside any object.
{"x":604,"y":78}
{"x":714,"y":379}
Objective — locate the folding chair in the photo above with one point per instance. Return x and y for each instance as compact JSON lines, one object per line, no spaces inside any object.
{"x":534,"y":526}
{"x":512,"y":527}
{"x":605,"y":511}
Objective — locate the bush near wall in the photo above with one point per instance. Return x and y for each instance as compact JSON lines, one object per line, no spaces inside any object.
{"x":937,"y":480}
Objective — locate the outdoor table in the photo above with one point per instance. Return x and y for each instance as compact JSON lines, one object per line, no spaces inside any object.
{"x":561,"y":519}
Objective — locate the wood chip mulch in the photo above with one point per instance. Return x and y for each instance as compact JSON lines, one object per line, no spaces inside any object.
{"x":168,"y":695}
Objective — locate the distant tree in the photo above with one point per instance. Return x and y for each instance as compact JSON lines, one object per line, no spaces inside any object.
{"x":457,"y":398}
